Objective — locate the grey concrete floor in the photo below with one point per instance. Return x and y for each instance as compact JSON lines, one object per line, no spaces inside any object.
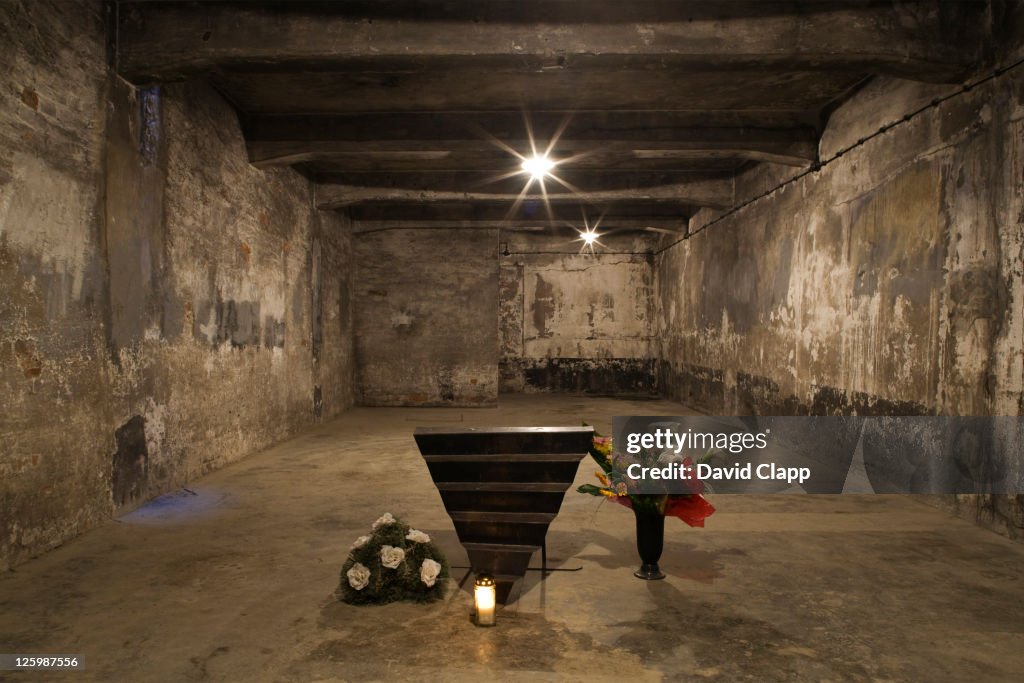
{"x":236,"y":582}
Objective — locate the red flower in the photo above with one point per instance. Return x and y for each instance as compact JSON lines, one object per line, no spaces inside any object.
{"x":691,"y":509}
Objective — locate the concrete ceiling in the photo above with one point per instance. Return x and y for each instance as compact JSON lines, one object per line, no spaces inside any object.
{"x":412,"y":113}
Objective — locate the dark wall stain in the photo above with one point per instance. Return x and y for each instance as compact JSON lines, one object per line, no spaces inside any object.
{"x":543,"y":306}
{"x":318,"y":401}
{"x":705,"y":388}
{"x":780,"y":279}
{"x":978,"y":300}
{"x":754,"y":393}
{"x":149,"y":126}
{"x":173,"y":315}
{"x":977,"y":294}
{"x":316,"y":311}
{"x":131,"y":461}
{"x":446,"y":384}
{"x":732,"y":284}
{"x":344,"y":304}
{"x":241,"y":323}
{"x":604,"y":376}
{"x":237,"y":323}
{"x":28,"y":358}
{"x":694,"y":385}
{"x":273,"y":333}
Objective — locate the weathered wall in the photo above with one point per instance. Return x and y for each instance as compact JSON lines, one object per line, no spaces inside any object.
{"x":426,"y":317}
{"x":56,"y":435}
{"x":250,"y":338}
{"x":166,"y":308}
{"x":890,"y":282}
{"x":573,"y":321}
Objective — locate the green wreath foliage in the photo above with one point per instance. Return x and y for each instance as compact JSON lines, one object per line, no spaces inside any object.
{"x":385,"y":584}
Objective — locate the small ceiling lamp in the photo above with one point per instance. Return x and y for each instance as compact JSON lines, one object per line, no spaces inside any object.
{"x":538,"y":166}
{"x":484,"y":595}
{"x":589,"y":237}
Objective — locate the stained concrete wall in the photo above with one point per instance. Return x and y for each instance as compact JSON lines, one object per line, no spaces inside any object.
{"x":426,"y":317}
{"x":578,"y":322}
{"x":166,"y":308}
{"x":56,"y":430}
{"x":890,"y":282}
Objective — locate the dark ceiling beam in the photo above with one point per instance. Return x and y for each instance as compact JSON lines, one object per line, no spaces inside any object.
{"x":480,"y":126}
{"x":932,"y":40}
{"x":717,"y":194}
{"x":464,"y":84}
{"x":495,"y":163}
{"x":529,"y":216}
{"x":592,"y":180}
{"x":653,"y":224}
{"x":268,"y":154}
{"x":781,"y":137}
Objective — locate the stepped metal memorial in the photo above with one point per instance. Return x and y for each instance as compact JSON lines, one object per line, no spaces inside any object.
{"x":502,"y":488}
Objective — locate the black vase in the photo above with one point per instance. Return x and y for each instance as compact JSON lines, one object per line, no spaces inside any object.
{"x":650,"y":537}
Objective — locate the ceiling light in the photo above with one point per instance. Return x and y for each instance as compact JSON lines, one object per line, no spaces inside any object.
{"x":589,"y":237}
{"x":538,"y":166}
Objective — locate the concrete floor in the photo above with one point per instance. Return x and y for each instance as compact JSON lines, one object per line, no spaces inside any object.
{"x":236,"y":582}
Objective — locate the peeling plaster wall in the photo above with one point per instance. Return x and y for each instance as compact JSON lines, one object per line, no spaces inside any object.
{"x":426,"y":317}
{"x":891,"y":282}
{"x":166,"y":308}
{"x":253,"y":301}
{"x":56,"y":428}
{"x":576,"y":322}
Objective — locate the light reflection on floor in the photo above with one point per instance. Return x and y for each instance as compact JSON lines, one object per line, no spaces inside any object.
{"x":183,"y":505}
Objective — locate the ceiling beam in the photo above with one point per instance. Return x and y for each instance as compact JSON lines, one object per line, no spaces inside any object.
{"x":532,"y":214}
{"x":653,"y":224}
{"x":781,"y":137}
{"x":716,"y":194}
{"x":933,"y":40}
{"x":496,"y":163}
{"x":269,"y":154}
{"x":464,"y":84}
{"x":502,"y":183}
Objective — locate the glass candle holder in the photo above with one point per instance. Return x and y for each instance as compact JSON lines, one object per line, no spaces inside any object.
{"x":484,"y":597}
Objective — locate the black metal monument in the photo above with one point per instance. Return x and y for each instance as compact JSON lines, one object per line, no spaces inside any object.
{"x":502,"y":487}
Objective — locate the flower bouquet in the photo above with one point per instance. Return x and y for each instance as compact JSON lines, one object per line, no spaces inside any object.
{"x":393,"y":562}
{"x":690,"y":507}
{"x":649,"y":508}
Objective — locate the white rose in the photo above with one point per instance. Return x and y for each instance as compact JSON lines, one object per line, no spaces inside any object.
{"x":358,"y":576}
{"x":429,"y":571}
{"x":360,"y":542}
{"x":417,"y":536}
{"x":391,"y":557}
{"x":384,"y":519}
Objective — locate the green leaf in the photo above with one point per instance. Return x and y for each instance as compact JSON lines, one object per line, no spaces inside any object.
{"x":601,"y":460}
{"x":591,"y":489}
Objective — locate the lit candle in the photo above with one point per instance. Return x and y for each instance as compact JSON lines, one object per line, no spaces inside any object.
{"x":484,"y":596}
